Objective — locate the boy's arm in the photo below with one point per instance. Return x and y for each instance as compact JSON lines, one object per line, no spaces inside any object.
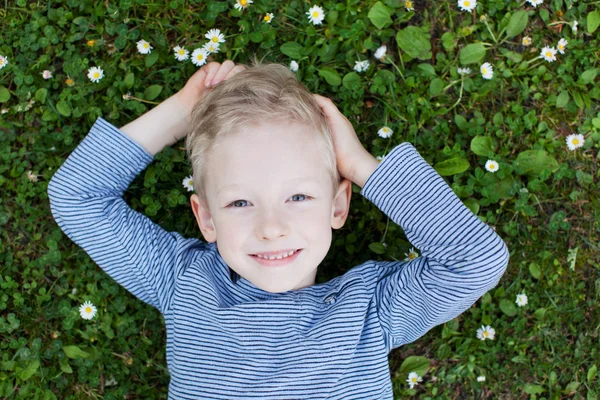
{"x":86,"y":201}
{"x":461,"y":257}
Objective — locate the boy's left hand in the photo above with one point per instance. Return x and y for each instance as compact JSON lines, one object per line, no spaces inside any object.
{"x":349,"y":151}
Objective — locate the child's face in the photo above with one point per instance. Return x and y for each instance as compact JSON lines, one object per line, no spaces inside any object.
{"x":265,"y":211}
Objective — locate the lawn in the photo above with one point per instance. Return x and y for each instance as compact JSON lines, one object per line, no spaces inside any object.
{"x":500,"y":97}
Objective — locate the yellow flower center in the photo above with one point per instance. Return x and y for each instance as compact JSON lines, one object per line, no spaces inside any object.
{"x":243,"y":2}
{"x":181,"y":51}
{"x":575,"y":141}
{"x":267,"y":17}
{"x":215,"y":39}
{"x":200,"y":56}
{"x":414,"y":380}
{"x":560,"y":46}
{"x":485,"y":334}
{"x":69,"y":81}
{"x":467,"y":3}
{"x":408,"y":4}
{"x":315,"y":14}
{"x":484,"y":70}
{"x":96,"y":74}
{"x":146,"y":45}
{"x":91,"y":43}
{"x":548,"y":54}
{"x":492,"y":166}
{"x":88,"y":310}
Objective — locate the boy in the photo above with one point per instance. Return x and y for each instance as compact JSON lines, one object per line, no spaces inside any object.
{"x":268,"y":332}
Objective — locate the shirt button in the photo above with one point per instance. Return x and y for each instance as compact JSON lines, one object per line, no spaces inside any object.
{"x":330,"y":299}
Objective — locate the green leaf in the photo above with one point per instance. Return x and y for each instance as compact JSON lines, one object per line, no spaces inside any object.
{"x":460,"y":121}
{"x":593,"y":20}
{"x":517,"y":23}
{"x":532,"y":162}
{"x":436,"y":87}
{"x":533,"y":389}
{"x":377,"y":247}
{"x":415,"y":42}
{"x":455,"y":165}
{"x":482,"y":145}
{"x":292,"y":49}
{"x":486,"y":298}
{"x":562,"y":99}
{"x":129,"y":79}
{"x":472,"y":205}
{"x":534,"y":270}
{"x":448,"y":41}
{"x":379,"y":15}
{"x":151,"y":59}
{"x":330,"y":75}
{"x":29,"y":370}
{"x":416,"y":364}
{"x":152,"y":92}
{"x":75,"y":352}
{"x":472,"y":53}
{"x":64,"y":365}
{"x":4,"y":94}
{"x":508,"y":307}
{"x":64,"y":108}
{"x":588,"y":76}
{"x":592,"y":373}
{"x":40,"y":95}
{"x":351,"y":81}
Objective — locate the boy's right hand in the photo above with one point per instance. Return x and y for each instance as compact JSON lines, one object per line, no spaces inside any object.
{"x":204,"y":79}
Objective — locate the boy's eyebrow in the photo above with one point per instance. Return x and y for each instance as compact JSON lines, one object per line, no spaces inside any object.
{"x":297,"y":180}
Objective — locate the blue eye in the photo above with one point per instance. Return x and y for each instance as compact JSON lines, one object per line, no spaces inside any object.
{"x":236,"y":201}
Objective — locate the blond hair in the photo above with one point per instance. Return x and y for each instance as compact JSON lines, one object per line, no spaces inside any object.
{"x":258,"y":94}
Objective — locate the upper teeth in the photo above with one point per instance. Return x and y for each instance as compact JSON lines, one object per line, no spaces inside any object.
{"x":279,"y":257}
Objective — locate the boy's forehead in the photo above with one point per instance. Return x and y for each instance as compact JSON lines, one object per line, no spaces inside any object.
{"x":293,"y":181}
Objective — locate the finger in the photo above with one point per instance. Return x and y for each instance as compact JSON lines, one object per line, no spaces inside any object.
{"x":221,"y":73}
{"x":234,"y":71}
{"x":329,"y":109}
{"x":211,"y":71}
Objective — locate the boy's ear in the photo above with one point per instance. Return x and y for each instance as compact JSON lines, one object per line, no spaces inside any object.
{"x":341,"y":204}
{"x":204,"y":219}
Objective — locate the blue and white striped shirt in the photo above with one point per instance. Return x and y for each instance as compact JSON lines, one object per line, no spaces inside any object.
{"x":229,"y":339}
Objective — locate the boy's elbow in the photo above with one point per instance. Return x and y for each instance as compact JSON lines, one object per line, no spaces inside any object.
{"x":499,"y":265}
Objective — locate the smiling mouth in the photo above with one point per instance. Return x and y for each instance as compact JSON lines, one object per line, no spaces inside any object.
{"x":282,"y":258}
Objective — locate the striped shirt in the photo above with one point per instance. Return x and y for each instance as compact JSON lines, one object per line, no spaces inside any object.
{"x":228,"y":339}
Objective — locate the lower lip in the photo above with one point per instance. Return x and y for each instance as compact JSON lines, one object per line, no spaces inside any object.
{"x":276,"y":262}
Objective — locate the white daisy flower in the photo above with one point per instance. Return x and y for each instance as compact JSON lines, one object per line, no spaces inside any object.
{"x":562,"y":43}
{"x":413,"y":379}
{"x":268,"y":18}
{"x":408,"y":4}
{"x":526,"y":41}
{"x":241,"y":4}
{"x":464,"y":71}
{"x":4,"y":111}
{"x":3,"y":61}
{"x":486,"y":332}
{"x":548,"y":53}
{"x":215,"y":36}
{"x":385,"y":132}
{"x":521,"y":299}
{"x":411,"y":255}
{"x":47,"y":74}
{"x":380,"y":52}
{"x":316,"y":15}
{"x":188,"y":183}
{"x":144,"y":47}
{"x":575,"y":141}
{"x":74,"y":291}
{"x":293,"y":66}
{"x":467,"y":5}
{"x":535,"y":2}
{"x":487,"y":71}
{"x":87,"y":310}
{"x":95,"y":74}
{"x":361,"y":66}
{"x":199,"y":57}
{"x":574,"y":26}
{"x":211,"y":47}
{"x":491,"y":165}
{"x":181,"y":54}
{"x":481,"y":378}
{"x":380,"y":159}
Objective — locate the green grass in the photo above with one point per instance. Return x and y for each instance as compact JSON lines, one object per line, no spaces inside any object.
{"x":548,"y":349}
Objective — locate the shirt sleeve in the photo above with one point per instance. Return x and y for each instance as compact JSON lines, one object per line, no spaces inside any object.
{"x":461,"y":257}
{"x":86,"y":201}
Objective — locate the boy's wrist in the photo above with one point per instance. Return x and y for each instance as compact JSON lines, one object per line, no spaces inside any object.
{"x":365,"y":166}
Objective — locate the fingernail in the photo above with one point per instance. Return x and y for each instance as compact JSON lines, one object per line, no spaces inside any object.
{"x":207,"y":83}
